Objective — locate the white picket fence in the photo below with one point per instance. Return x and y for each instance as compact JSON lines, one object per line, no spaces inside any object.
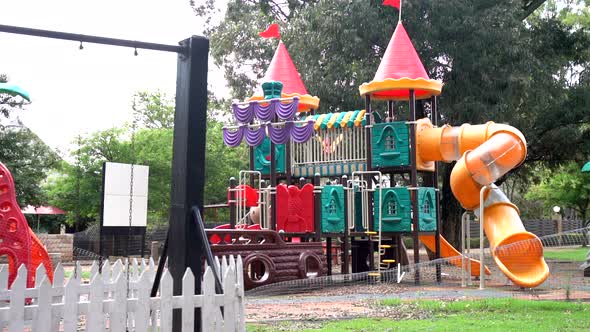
{"x":113,"y":302}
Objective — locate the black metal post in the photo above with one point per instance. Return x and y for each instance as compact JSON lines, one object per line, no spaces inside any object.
{"x":317,"y":201}
{"x":434,"y":120}
{"x":188,"y":166}
{"x":414,"y":186}
{"x":329,"y":254}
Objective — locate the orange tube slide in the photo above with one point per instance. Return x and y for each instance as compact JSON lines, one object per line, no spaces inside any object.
{"x":485,"y":153}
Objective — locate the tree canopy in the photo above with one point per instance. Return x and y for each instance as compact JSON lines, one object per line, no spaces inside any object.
{"x":532,"y":74}
{"x":27,"y":157}
{"x":148,"y":141}
{"x":566,"y":187}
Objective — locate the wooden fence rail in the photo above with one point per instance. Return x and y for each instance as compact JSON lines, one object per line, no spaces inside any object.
{"x":118,"y":299}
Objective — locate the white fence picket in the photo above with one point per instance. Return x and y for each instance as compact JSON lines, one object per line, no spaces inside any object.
{"x":58,"y":283}
{"x":239,"y":300}
{"x":142,"y":309}
{"x":229,"y":290}
{"x":4,"y":277}
{"x":208,"y":308}
{"x":95,"y":314}
{"x":119,"y":309}
{"x":43,"y":318}
{"x":111,"y":302}
{"x":17,"y":301}
{"x":70,"y":307}
{"x":166,"y":302}
{"x":188,"y":306}
{"x":40,"y":275}
{"x":94,"y":269}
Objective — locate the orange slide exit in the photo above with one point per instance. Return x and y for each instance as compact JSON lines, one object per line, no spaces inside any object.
{"x":447,"y":250}
{"x":484,"y":153}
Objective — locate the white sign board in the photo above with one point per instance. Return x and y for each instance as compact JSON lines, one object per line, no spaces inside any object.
{"x":117,"y":198}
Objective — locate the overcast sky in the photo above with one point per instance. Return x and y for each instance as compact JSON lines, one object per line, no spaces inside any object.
{"x":79,"y":91}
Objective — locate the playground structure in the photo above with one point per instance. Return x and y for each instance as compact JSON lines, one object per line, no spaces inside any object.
{"x":17,"y":239}
{"x":379,"y":169}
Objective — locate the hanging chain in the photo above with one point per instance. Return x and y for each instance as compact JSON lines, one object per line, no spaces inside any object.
{"x":133,"y":126}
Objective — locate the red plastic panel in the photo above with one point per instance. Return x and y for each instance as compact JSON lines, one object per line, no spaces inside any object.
{"x":295,"y":208}
{"x":17,"y":240}
{"x":251,"y":195}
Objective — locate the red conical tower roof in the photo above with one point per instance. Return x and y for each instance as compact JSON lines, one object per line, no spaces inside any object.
{"x":400,"y":71}
{"x":283,"y":69}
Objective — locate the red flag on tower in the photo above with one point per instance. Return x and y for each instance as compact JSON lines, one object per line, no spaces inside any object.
{"x":393,"y":3}
{"x":271,"y":32}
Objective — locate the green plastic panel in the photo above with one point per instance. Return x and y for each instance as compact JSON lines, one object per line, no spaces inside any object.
{"x":427,"y":209}
{"x":332,"y":209}
{"x":395,"y":207}
{"x":391,"y":144}
{"x":262,"y":157}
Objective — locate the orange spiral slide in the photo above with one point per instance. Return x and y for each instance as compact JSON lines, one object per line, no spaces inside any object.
{"x":484,"y":153}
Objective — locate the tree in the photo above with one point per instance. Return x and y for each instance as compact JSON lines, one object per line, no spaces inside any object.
{"x":76,"y":187}
{"x":29,"y":160}
{"x":153,"y":110}
{"x":494,"y":65}
{"x":7,"y":102}
{"x":27,"y":157}
{"x":566,"y":187}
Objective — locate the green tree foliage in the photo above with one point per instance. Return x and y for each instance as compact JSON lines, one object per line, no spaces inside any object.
{"x":531,"y":74}
{"x":27,"y":157}
{"x":566,"y":187}
{"x":29,"y":160}
{"x":7,"y":102}
{"x":76,"y":187}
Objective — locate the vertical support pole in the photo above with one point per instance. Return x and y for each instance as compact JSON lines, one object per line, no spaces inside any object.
{"x":263,"y":207}
{"x":464,"y":259}
{"x":273,"y":184}
{"x":251,"y":163}
{"x":414,"y":184}
{"x":329,"y":254}
{"x":369,"y":153}
{"x":481,"y":256}
{"x":368,"y":124}
{"x":434,"y":119}
{"x":232,"y":203}
{"x":346,"y":243}
{"x":188,"y":166}
{"x":100,"y":232}
{"x":317,"y":202}
{"x":390,"y":110}
{"x":142,"y":251}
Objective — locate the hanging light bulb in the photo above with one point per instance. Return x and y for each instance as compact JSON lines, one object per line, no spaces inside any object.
{"x":135,"y":53}
{"x":81,"y":46}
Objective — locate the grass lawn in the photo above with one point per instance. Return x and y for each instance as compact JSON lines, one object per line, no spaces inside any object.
{"x":468,"y":315}
{"x":570,"y":254}
{"x":84,"y":274}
